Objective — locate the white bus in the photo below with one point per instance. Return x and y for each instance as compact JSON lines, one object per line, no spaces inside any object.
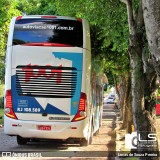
{"x":48,"y":86}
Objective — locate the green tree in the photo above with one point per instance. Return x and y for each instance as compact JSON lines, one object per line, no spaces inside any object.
{"x":109,"y":35}
{"x":36,"y":7}
{"x":7,"y":10}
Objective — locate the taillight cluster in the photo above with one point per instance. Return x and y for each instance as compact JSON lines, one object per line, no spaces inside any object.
{"x":8,"y":107}
{"x":82,"y":113}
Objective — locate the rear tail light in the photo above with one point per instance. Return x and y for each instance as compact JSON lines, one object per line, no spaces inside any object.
{"x":79,"y":19}
{"x":47,"y":44}
{"x":18,"y":18}
{"x":8,"y":108}
{"x":81,"y":114}
{"x":48,"y":16}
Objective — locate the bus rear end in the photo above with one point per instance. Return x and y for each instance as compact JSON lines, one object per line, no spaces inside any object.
{"x":45,"y":96}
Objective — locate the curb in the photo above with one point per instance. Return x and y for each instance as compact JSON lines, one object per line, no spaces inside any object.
{"x":119,"y":139}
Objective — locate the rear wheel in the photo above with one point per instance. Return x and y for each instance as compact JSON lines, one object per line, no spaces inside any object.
{"x":84,"y":142}
{"x":21,"y":140}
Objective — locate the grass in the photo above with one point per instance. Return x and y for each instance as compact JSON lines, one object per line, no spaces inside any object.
{"x":1,"y":95}
{"x":1,"y":115}
{"x":1,"y":104}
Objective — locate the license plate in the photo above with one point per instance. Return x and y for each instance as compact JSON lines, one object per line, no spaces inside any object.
{"x":44,"y":127}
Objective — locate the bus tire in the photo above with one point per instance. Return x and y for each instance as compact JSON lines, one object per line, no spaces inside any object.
{"x":84,"y":142}
{"x":21,"y":140}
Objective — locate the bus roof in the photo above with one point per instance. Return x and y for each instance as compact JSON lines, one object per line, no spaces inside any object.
{"x":47,"y":16}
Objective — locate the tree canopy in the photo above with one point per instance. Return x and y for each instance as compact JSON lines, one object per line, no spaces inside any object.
{"x":109,"y":30}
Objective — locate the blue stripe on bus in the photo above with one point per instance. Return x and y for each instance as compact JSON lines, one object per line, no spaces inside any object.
{"x":76,"y":58}
{"x":31,"y":104}
{"x":77,"y":62}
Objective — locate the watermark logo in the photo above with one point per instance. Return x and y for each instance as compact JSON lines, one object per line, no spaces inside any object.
{"x":21,"y":154}
{"x":140,"y":140}
{"x":6,"y":154}
{"x":131,"y":140}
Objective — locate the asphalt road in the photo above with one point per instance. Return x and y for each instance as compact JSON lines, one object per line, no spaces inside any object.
{"x":102,"y":144}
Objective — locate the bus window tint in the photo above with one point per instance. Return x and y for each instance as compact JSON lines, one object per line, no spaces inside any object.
{"x":67,"y":32}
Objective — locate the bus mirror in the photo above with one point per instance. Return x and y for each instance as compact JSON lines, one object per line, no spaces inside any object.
{"x":105,"y":87}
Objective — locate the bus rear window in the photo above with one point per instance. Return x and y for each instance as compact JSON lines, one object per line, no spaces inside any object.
{"x":57,"y":31}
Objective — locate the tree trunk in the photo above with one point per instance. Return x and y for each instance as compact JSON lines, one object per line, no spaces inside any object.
{"x":137,"y":76}
{"x":128,"y":105}
{"x":122,"y":91}
{"x":127,"y":110}
{"x":151,"y":12}
{"x":137,"y":84}
{"x":142,"y":118}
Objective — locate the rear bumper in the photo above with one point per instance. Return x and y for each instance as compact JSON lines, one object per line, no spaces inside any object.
{"x":59,"y":130}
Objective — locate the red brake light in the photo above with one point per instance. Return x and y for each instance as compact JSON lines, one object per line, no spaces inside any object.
{"x":47,"y":44}
{"x":81,"y":114}
{"x":8,"y":99}
{"x":48,"y":17}
{"x":79,"y":19}
{"x":8,"y":108}
{"x":82,"y":102}
{"x":18,"y":18}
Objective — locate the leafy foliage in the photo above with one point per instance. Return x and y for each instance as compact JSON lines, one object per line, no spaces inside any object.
{"x":10,"y":7}
{"x":37,"y":7}
{"x":8,"y":10}
{"x":109,"y":31}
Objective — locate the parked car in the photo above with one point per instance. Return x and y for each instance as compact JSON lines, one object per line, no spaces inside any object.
{"x":113,"y":96}
{"x":111,"y":100}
